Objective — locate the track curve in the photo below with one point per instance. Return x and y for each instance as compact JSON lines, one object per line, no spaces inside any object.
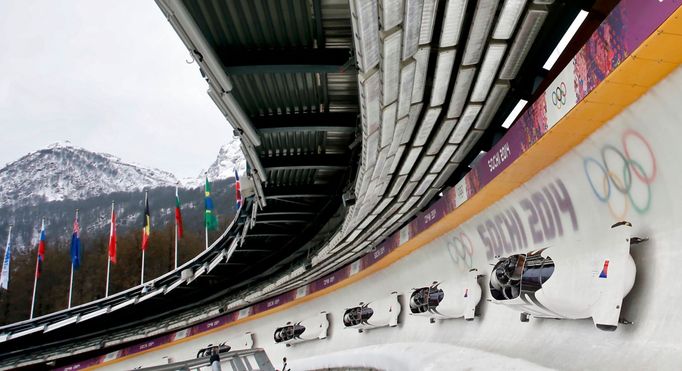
{"x":629,"y":169}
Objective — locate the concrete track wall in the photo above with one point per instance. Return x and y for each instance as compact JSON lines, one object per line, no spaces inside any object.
{"x":640,"y":149}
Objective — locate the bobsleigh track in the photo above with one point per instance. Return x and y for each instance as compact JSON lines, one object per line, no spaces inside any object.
{"x":555,"y":249}
{"x":627,"y":170}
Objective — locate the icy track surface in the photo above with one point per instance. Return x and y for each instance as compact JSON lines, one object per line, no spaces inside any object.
{"x":414,"y":356}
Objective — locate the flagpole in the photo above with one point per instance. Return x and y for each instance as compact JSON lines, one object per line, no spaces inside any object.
{"x":70,"y":285}
{"x":106,"y":291}
{"x":143,"y":232}
{"x":35,"y":285}
{"x":206,"y":228}
{"x":35,"y":278}
{"x":71,"y":281}
{"x":142,"y":273}
{"x":176,"y":232}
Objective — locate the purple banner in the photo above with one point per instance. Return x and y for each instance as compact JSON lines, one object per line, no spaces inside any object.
{"x":329,"y":280}
{"x":278,"y":300}
{"x":147,"y":345}
{"x":211,"y":324}
{"x":81,"y":365}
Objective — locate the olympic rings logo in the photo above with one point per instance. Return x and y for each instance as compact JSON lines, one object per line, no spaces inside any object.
{"x":559,"y":96}
{"x":461,"y":249}
{"x":622,"y":180}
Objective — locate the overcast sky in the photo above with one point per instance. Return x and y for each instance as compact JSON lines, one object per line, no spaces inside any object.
{"x":109,"y":76}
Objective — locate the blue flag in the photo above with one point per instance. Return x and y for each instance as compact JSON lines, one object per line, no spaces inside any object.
{"x":76,"y":244}
{"x":4,"y":275}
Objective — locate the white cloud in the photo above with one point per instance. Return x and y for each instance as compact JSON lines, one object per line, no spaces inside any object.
{"x":109,"y":76}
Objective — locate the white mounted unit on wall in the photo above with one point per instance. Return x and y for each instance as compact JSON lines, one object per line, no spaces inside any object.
{"x":377,"y":313}
{"x":558,"y":283}
{"x":310,"y":329}
{"x":447,"y":299}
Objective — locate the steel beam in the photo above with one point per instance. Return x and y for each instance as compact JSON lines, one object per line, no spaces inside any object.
{"x":244,"y":62}
{"x":348,"y":120}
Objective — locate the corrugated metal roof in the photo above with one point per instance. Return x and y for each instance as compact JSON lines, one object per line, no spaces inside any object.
{"x":278,"y":93}
{"x":255,"y":24}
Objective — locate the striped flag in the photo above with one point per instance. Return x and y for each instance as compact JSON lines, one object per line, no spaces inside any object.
{"x":112,"y":236}
{"x":76,"y":244}
{"x":237,"y":190}
{"x":41,"y":251}
{"x":178,"y":214}
{"x":146,"y":224}
{"x":4,"y":275}
{"x":210,"y":220}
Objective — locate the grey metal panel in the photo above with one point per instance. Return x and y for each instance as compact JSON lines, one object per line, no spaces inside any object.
{"x":391,"y":13}
{"x":412,"y":21}
{"x":523,"y":41}
{"x":396,"y":160}
{"x":495,"y":99}
{"x":443,"y":158}
{"x":445,"y":175}
{"x":480,"y":28}
{"x":406,"y":192}
{"x":427,"y":197}
{"x":463,"y":150}
{"x":441,"y":78}
{"x":422,"y":167}
{"x":424,"y":184}
{"x":441,"y":136}
{"x":468,"y":117}
{"x":426,"y":125}
{"x":397,"y":185}
{"x":367,"y":29}
{"x":410,"y":160}
{"x":407,"y":207}
{"x":406,"y":87}
{"x":415,"y":110}
{"x":465,"y":77}
{"x":390,"y":67}
{"x":388,"y":124}
{"x":422,"y":59}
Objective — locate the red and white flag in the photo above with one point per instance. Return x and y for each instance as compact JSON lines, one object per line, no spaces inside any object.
{"x":112,"y":237}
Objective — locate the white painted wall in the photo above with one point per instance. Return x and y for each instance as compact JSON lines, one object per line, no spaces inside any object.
{"x":652,"y":342}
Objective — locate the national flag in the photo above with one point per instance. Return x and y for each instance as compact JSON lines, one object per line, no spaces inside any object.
{"x":237,"y":189}
{"x":76,"y":244}
{"x":146,"y":224}
{"x":210,"y":220}
{"x":605,"y":270}
{"x":178,"y":214}
{"x":41,"y":251}
{"x":4,"y":275}
{"x":112,"y":236}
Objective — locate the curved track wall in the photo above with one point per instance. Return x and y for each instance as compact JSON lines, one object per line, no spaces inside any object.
{"x":629,"y":169}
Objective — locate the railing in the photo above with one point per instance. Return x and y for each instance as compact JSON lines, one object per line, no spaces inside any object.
{"x":239,"y":360}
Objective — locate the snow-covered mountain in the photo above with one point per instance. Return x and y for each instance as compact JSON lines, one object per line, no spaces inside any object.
{"x":230,"y":157}
{"x":64,"y":171}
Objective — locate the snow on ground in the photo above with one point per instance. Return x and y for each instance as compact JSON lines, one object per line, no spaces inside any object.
{"x":415,"y":356}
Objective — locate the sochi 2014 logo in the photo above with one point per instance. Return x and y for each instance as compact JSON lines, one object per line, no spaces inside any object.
{"x":559,"y":96}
